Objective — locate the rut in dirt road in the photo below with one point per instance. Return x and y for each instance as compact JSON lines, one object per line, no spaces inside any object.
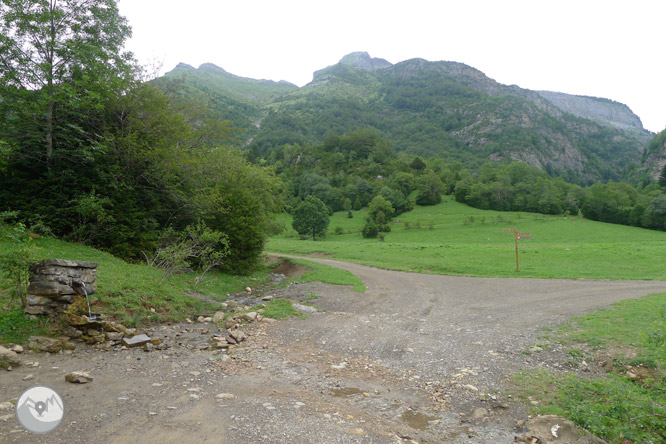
{"x":416,"y":358}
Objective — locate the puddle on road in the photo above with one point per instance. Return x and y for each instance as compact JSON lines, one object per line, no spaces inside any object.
{"x":345,"y":392}
{"x":417,"y":420}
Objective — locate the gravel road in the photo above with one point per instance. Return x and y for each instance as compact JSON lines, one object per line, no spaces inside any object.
{"x":417,"y":358}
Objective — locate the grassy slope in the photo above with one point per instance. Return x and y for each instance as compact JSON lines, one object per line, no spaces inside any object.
{"x":129,"y":291}
{"x":135,"y":293}
{"x":448,"y":242}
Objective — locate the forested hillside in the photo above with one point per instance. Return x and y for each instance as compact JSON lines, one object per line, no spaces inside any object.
{"x":442,"y":109}
{"x":91,"y":153}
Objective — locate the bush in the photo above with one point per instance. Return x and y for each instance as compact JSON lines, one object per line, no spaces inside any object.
{"x":15,"y":262}
{"x":370,"y":230}
{"x":197,"y":247}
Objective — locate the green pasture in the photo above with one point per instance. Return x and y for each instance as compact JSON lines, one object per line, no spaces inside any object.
{"x":455,"y":239}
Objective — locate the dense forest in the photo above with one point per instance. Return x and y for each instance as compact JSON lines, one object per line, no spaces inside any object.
{"x":91,"y":152}
{"x":359,"y":165}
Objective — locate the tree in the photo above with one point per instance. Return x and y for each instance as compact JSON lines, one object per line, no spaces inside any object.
{"x":379,"y":204}
{"x":418,"y":164}
{"x":430,"y":188}
{"x":57,"y":57}
{"x":397,"y":198}
{"x":662,"y":177}
{"x":370,"y":229}
{"x":311,"y":216}
{"x":347,"y":206}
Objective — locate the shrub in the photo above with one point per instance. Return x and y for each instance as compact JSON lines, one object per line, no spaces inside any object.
{"x":15,"y":262}
{"x":370,"y":230}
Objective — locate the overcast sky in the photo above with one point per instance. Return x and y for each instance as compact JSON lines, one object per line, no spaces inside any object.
{"x":603,"y":48}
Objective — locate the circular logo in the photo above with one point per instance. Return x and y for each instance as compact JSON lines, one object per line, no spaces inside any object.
{"x":40,"y":409}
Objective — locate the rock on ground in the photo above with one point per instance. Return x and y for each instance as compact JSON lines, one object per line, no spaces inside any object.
{"x":78,"y":377}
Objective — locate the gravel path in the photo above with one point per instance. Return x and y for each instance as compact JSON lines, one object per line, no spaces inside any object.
{"x":417,"y":358}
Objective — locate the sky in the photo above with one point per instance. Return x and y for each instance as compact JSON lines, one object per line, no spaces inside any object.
{"x":612,"y":49}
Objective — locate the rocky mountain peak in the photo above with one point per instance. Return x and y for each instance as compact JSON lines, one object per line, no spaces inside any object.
{"x":357,"y":60}
{"x":184,"y":67}
{"x":212,"y":68}
{"x":362,"y":60}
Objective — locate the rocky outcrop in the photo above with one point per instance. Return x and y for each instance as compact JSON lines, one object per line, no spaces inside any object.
{"x":362,"y":60}
{"x":654,"y":159}
{"x":54,"y":283}
{"x":356,"y":60}
{"x":603,"y":111}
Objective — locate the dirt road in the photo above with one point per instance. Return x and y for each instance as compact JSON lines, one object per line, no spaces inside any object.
{"x":417,"y":358}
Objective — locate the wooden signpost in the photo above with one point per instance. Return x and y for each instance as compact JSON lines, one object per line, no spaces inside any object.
{"x":518,"y":236}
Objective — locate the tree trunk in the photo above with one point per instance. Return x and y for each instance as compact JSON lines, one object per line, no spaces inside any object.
{"x":49,"y":130}
{"x":50,"y":59}
{"x":313,"y":233}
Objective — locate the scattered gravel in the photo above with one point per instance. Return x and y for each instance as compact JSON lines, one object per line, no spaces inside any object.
{"x":417,"y":358}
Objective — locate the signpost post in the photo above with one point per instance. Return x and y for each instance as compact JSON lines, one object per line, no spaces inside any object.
{"x":518,"y":236}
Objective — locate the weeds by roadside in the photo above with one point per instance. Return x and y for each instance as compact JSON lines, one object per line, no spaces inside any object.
{"x":627,"y":403}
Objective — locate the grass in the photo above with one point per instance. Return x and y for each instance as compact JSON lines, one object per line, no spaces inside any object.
{"x":281,"y":308}
{"x":455,"y":239}
{"x":612,"y":407}
{"x":638,"y":325}
{"x":327,"y":274}
{"x":126,"y":291}
{"x":16,"y":328}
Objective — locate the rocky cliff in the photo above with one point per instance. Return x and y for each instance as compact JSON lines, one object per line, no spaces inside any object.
{"x":601,"y":110}
{"x":356,"y":60}
{"x":655,"y":155}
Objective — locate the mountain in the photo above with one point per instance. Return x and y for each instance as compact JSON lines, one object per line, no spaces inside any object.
{"x":235,"y":87}
{"x":654,"y":158}
{"x":358,"y":60}
{"x":604,"y":111}
{"x":444,"y":109}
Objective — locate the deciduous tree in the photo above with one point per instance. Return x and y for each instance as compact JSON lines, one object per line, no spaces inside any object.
{"x":58,"y":58}
{"x":311,"y":216}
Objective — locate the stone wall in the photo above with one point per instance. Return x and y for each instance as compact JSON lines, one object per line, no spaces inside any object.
{"x":55,"y":282}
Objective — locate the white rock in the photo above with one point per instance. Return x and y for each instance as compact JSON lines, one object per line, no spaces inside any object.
{"x":6,"y":406}
{"x":479,"y":413}
{"x":78,"y":378}
{"x":470,"y":387}
{"x":224,"y":396}
{"x":250,"y":317}
{"x":304,"y":308}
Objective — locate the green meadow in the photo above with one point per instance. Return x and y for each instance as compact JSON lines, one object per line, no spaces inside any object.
{"x":455,"y":239}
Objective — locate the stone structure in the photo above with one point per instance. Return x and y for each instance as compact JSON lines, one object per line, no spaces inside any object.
{"x":55,"y":282}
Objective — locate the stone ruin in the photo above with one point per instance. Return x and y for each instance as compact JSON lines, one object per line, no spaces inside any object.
{"x":54,"y":284}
